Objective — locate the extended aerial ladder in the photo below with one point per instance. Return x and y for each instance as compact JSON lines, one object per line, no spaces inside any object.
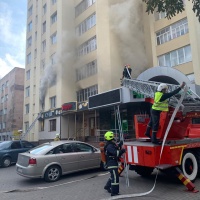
{"x":31,"y":126}
{"x":191,"y":101}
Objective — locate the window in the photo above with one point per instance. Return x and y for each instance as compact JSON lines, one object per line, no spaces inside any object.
{"x":30,"y":26}
{"x":28,"y":58}
{"x":4,"y":125}
{"x":81,"y":7}
{"x":86,"y":25}
{"x":26,"y":108}
{"x":26,"y":124}
{"x":29,"y":41}
{"x":79,"y":147}
{"x":176,"y":57}
{"x":44,"y":45}
{"x":53,"y":59}
{"x":43,"y":64}
{"x":44,"y":9}
{"x":7,"y":84}
{"x":82,"y":95}
{"x":53,"y":102}
{"x":175,"y":30}
{"x":54,"y":38}
{"x":5,"y":111}
{"x":28,"y":75}
{"x":30,"y":11}
{"x":16,"y":145}
{"x":160,"y":15}
{"x":35,"y":35}
{"x":86,"y":71}
{"x":54,"y":18}
{"x":87,"y":47}
{"x":36,"y":19}
{"x":2,"y":99}
{"x":42,"y":125}
{"x":28,"y":91}
{"x":53,"y":1}
{"x":35,"y":53}
{"x":52,"y":124}
{"x":44,"y":27}
{"x":6,"y":97}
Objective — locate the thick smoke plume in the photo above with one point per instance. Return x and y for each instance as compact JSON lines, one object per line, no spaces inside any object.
{"x":126,"y":19}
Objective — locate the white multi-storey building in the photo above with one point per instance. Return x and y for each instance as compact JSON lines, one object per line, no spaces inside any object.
{"x":78,"y":48}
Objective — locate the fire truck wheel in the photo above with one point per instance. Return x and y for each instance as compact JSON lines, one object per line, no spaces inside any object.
{"x":143,"y":171}
{"x":189,"y":165}
{"x":197,"y":153}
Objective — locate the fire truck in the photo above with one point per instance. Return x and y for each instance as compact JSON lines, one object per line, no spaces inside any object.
{"x":179,"y":131}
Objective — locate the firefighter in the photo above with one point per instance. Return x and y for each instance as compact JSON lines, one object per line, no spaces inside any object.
{"x":126,"y":72}
{"x":160,"y":105}
{"x":57,"y":138}
{"x":113,"y":153}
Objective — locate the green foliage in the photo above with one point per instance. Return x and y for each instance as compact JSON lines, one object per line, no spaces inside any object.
{"x":171,"y":7}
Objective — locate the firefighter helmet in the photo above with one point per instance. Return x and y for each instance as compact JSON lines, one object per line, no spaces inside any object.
{"x":109,"y":135}
{"x":162,"y":86}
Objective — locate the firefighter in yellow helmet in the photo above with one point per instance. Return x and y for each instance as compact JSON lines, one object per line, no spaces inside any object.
{"x":57,"y":138}
{"x":112,"y":152}
{"x":160,"y":105}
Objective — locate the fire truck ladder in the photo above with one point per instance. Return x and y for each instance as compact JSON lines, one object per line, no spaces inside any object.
{"x":148,"y":89}
{"x":122,"y":138}
{"x":31,"y":126}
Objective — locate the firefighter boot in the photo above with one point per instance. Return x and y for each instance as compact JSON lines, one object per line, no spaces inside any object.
{"x":108,"y":186}
{"x":154,"y":140}
{"x":147,"y":133}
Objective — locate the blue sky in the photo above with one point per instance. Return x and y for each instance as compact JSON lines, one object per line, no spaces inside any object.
{"x":12,"y":34}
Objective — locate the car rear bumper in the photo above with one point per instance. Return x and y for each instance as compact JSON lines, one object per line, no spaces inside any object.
{"x":29,"y":171}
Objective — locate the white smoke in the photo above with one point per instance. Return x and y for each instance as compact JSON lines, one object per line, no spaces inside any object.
{"x":126,"y":19}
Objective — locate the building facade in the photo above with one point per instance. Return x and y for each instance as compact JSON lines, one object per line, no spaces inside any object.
{"x":12,"y":104}
{"x":78,"y":48}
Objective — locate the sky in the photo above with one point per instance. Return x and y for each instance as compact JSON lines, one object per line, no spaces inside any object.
{"x":12,"y":35}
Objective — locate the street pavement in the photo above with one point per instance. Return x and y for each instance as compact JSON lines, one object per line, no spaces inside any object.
{"x":88,"y":185}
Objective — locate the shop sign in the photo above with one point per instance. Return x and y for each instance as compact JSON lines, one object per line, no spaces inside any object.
{"x":51,"y":113}
{"x":83,"y":105}
{"x":70,"y":106}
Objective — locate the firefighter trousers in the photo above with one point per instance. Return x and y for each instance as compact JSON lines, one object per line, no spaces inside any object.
{"x":113,"y":181}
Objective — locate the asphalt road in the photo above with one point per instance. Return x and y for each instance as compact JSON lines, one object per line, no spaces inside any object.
{"x":88,"y":185}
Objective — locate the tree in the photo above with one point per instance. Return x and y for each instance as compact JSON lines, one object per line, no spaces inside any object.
{"x":171,"y":7}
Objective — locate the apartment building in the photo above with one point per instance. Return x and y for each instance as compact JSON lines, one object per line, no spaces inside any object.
{"x":12,"y":103}
{"x":78,"y":48}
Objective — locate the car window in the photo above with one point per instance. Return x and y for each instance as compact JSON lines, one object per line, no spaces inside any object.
{"x":64,"y":148}
{"x":16,"y":145}
{"x":80,"y":147}
{"x":4,"y":145}
{"x":40,"y":149}
{"x":27,"y":144}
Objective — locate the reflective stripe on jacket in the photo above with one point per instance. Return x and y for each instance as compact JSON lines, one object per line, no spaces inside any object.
{"x":162,"y":106}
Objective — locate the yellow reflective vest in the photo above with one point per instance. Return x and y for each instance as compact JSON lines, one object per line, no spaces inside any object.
{"x":162,"y":106}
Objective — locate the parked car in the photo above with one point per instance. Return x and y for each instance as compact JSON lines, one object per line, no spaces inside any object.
{"x":9,"y":151}
{"x":53,"y":159}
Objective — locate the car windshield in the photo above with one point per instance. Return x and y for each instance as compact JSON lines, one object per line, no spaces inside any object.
{"x":40,"y":149}
{"x":4,"y":145}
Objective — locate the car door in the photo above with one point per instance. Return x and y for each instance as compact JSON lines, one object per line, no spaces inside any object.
{"x":15,"y":149}
{"x":68,"y":159}
{"x":88,"y":157}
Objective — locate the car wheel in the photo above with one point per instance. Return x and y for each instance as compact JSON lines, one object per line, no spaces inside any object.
{"x":52,"y":174}
{"x":189,"y":165}
{"x":6,"y":162}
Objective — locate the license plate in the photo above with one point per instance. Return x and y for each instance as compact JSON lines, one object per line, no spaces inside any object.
{"x":19,"y":170}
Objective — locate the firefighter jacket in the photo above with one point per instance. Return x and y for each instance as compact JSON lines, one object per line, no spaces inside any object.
{"x":158,"y":105}
{"x":112,"y":154}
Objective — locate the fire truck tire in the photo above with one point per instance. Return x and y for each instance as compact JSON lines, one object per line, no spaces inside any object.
{"x":197,"y":153}
{"x":144,"y":171}
{"x":189,"y":165}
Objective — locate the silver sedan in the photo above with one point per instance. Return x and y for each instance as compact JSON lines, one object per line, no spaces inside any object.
{"x":53,"y":159}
